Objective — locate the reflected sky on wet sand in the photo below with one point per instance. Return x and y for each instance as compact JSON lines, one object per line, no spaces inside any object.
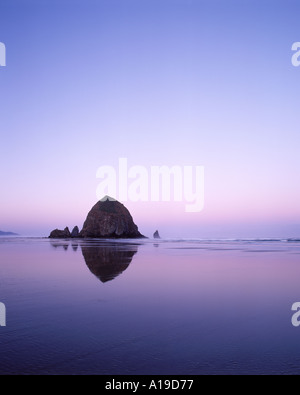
{"x":149,"y":307}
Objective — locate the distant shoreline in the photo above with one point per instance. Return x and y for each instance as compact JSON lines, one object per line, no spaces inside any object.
{"x":8,"y":234}
{"x":163,"y":240}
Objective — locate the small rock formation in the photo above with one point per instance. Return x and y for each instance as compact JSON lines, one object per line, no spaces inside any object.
{"x":110,"y":219}
{"x":75,"y":232}
{"x":156,"y":235}
{"x":65,"y":234}
{"x":60,"y":234}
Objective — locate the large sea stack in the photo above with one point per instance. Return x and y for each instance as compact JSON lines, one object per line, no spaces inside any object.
{"x":110,"y":219}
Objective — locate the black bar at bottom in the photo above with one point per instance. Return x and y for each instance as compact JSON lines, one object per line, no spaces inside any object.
{"x":141,"y":383}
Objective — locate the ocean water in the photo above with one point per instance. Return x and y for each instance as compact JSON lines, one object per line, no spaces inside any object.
{"x":149,"y":307}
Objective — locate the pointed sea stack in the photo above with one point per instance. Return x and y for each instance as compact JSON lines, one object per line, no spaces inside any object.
{"x":156,"y":235}
{"x":110,"y":219}
{"x":75,"y":232}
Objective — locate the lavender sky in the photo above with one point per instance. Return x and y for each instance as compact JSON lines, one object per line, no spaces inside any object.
{"x":159,"y":82}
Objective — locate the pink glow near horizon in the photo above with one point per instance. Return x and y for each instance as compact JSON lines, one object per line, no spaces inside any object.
{"x":149,"y":88}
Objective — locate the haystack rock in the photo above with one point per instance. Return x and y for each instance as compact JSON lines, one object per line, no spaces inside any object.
{"x":60,"y":234}
{"x":110,"y":219}
{"x":156,"y":235}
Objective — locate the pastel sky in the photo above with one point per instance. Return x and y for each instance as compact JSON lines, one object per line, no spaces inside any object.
{"x":159,"y":82}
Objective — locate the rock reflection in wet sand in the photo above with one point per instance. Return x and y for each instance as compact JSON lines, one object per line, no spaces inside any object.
{"x":108,"y":261}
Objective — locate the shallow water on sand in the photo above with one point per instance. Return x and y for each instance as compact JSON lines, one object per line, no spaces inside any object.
{"x":149,"y":307}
